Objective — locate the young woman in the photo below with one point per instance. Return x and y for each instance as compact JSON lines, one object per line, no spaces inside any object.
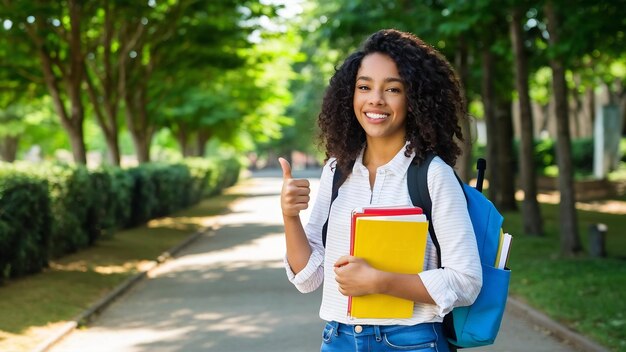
{"x":389,"y":104}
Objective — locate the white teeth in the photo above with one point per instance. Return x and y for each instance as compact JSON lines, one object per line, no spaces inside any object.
{"x":372,"y":115}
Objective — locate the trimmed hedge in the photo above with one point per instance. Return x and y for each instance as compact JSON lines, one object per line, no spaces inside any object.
{"x":25,"y":221}
{"x":49,"y":210}
{"x":71,"y":196}
{"x":110,"y":203}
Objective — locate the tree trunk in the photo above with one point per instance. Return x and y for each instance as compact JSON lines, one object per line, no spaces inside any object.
{"x":142,"y":148}
{"x":570,"y":239}
{"x":182,"y":136}
{"x":77,"y":141}
{"x":8,"y":148}
{"x":71,"y":74}
{"x":463,"y":167}
{"x":146,"y":126}
{"x":544,"y":118}
{"x":203,"y":137}
{"x":488,"y":98}
{"x":107,"y":120}
{"x":531,"y":214}
{"x":590,"y":106}
{"x":578,"y":130}
{"x":140,"y":133}
{"x":505,"y":200}
{"x":137,"y":119}
{"x":113,"y":147}
{"x":104,"y":100}
{"x":75,"y":79}
{"x":132,"y":86}
{"x":622,"y":104}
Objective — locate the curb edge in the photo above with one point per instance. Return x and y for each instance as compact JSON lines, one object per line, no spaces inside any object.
{"x":570,"y":337}
{"x":118,"y":291}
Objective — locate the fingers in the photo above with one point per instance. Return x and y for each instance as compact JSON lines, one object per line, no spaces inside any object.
{"x":295,"y":194}
{"x":301,"y":185}
{"x":284,"y":164}
{"x":342,"y":261}
{"x":354,"y":276}
{"x":296,"y":191}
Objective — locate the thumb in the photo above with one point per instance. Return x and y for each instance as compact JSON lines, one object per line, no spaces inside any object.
{"x":284,"y":164}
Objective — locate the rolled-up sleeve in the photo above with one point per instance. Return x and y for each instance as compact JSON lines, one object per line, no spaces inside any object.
{"x":312,"y":276}
{"x":459,"y":280}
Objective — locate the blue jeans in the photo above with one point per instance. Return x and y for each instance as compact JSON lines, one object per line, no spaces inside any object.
{"x":339,"y":337}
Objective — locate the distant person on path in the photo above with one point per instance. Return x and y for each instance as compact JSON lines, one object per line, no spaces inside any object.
{"x":393,"y":100}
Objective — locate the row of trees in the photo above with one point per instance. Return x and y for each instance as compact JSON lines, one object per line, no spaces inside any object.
{"x":198,"y":68}
{"x":498,"y":48}
{"x":238,"y":71}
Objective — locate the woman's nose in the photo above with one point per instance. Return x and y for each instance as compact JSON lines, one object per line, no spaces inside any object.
{"x":377,"y":98}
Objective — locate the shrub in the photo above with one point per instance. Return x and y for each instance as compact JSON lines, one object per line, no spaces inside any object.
{"x":582,"y":155}
{"x":142,"y":196}
{"x":122,"y":184}
{"x":110,"y":204}
{"x":71,"y":196}
{"x":25,"y":221}
{"x":201,"y":171}
{"x":48,"y":210}
{"x":172,"y":184}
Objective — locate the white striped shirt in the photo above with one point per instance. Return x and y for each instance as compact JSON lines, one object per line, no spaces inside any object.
{"x":456,"y":284}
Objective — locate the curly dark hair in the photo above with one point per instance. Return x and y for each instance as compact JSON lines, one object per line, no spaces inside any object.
{"x":435,"y":101}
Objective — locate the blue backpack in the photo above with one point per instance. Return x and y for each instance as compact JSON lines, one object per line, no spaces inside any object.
{"x":478,"y":324}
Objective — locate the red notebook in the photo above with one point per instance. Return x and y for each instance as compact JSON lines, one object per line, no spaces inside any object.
{"x":377,"y":212}
{"x":380,"y":211}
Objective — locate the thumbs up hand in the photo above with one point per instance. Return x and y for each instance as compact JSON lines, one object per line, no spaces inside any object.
{"x":294,"y":195}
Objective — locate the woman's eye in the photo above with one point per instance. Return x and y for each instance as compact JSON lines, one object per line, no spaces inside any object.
{"x":394,"y":90}
{"x":362,"y":87}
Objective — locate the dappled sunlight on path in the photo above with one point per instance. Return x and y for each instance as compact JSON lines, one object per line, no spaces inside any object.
{"x":602,"y":206}
{"x":226,"y":292}
{"x":265,"y":252}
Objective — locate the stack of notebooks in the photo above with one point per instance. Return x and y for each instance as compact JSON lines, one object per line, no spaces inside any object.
{"x":504,"y":248}
{"x":391,"y":239}
{"x":394,"y":239}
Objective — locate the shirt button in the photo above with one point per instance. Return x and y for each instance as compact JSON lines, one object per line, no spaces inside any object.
{"x":358,"y":329}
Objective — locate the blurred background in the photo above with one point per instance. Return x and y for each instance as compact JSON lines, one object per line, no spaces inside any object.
{"x":123,"y":83}
{"x":127,"y":82}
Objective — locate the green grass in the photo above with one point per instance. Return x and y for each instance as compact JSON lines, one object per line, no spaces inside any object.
{"x":585,"y":293}
{"x":35,"y":305}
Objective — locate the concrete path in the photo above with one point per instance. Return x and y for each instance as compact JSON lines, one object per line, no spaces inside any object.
{"x":228,"y":291}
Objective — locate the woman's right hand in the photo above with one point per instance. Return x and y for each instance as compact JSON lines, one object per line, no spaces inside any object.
{"x":294,"y":195}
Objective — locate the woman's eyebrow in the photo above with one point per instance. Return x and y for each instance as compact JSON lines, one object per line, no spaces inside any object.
{"x":388,"y":79}
{"x":394,"y":79}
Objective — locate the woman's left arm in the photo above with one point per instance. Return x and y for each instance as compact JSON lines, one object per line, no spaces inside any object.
{"x":458,"y":281}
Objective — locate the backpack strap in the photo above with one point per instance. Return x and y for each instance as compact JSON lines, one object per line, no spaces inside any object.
{"x":417,"y":181}
{"x":338,"y":180}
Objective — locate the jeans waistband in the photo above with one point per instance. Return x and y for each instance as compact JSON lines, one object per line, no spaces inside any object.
{"x":378,"y":330}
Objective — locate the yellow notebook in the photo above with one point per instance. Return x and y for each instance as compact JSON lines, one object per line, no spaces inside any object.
{"x":504,"y":248}
{"x":390,"y":243}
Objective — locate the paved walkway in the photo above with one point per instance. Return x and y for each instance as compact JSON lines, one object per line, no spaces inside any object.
{"x":228,"y":291}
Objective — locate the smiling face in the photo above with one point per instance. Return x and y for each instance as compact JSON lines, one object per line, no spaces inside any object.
{"x":380,"y":100}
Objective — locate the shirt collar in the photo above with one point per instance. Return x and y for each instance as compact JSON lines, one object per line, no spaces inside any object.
{"x":397,"y":165}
